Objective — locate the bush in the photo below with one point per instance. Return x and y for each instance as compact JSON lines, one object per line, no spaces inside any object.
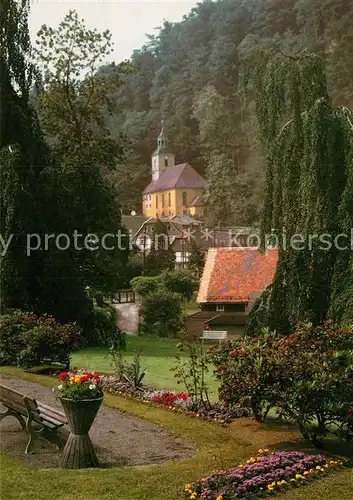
{"x":29,"y":340}
{"x":180,"y":282}
{"x":145,"y":285}
{"x":248,"y":373}
{"x":318,"y":393}
{"x":162,"y":314}
{"x":308,"y":376}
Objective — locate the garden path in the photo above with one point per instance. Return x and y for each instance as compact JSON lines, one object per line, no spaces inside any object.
{"x":120,"y":439}
{"x":127,"y":317}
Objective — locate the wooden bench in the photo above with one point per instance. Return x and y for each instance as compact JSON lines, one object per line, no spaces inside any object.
{"x":214,"y":335}
{"x":37,"y":419}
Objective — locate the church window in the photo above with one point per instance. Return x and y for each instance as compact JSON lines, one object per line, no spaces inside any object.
{"x":163,"y":200}
{"x":184,"y":198}
{"x":166,"y":161}
{"x":169,"y":199}
{"x":156,"y":200}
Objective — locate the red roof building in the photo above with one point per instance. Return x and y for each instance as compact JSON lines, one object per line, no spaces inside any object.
{"x":232,"y":277}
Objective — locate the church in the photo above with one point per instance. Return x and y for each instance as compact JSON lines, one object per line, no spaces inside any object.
{"x":174,"y":189}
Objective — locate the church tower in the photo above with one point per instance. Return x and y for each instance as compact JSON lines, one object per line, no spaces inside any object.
{"x":162,"y":157}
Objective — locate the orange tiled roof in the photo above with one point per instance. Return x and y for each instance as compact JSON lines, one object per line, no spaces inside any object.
{"x":234,"y":274}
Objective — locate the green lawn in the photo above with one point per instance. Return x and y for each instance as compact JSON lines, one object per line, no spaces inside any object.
{"x":216,"y":448}
{"x":157,"y":354}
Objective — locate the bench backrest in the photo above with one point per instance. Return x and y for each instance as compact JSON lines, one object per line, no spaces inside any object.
{"x":25,"y":405}
{"x":214,"y":335}
{"x":12,"y":399}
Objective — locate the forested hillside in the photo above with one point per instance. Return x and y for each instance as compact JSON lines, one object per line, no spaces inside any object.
{"x":190,"y":74}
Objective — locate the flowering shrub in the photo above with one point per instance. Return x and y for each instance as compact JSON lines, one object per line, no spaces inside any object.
{"x":266,"y":473}
{"x":79,"y":384}
{"x":319,"y":372}
{"x":29,"y":340}
{"x":307,"y":376}
{"x":248,"y":373}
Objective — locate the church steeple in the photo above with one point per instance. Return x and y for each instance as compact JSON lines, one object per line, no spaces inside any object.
{"x":162,"y":141}
{"x":162,"y":158}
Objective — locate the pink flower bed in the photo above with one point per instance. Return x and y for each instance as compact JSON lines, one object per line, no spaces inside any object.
{"x":262,"y":475}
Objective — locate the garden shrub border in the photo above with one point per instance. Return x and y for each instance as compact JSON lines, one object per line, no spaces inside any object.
{"x":173,"y":401}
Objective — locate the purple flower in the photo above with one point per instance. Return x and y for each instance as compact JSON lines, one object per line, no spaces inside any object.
{"x":254,"y":478}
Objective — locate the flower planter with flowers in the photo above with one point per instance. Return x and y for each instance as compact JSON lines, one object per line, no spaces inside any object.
{"x":81,"y":396}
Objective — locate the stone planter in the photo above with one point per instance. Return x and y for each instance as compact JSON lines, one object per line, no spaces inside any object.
{"x":79,"y":452}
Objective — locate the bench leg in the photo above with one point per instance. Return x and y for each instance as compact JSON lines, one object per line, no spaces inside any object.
{"x":33,"y":434}
{"x":12,"y":413}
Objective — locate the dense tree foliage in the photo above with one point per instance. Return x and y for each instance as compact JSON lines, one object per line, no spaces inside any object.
{"x":58,"y":190}
{"x":308,"y":199}
{"x":24,"y":158}
{"x":161,"y":256}
{"x":188,"y":72}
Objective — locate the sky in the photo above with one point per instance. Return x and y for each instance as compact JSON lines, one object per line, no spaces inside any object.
{"x":128,"y":21}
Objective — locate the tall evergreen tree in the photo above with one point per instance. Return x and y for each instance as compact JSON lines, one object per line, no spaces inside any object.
{"x":24,"y":156}
{"x":308,"y":191}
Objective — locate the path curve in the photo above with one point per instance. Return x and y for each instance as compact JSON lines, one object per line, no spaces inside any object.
{"x":120,"y":439}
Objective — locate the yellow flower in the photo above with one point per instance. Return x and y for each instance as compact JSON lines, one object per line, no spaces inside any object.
{"x":193,"y":496}
{"x":306,"y":472}
{"x":188,"y":487}
{"x":220,"y":497}
{"x":293,"y":480}
{"x":283,"y":482}
{"x":269,"y":487}
{"x":318,"y":467}
{"x":299,"y":476}
{"x":261,"y":451}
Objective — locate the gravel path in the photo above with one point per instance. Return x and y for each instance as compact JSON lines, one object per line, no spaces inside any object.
{"x":119,"y":439}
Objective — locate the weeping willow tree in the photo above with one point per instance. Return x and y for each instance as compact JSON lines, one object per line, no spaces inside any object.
{"x":309,"y":191}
